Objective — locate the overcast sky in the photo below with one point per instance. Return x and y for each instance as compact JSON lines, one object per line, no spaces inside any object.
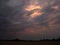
{"x":29,"y":19}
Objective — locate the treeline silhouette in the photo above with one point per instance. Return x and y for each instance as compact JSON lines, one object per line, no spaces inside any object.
{"x":58,"y":39}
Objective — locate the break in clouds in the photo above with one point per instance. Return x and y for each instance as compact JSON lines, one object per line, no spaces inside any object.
{"x":29,"y":19}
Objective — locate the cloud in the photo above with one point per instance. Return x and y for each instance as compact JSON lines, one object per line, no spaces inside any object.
{"x":18,"y":18}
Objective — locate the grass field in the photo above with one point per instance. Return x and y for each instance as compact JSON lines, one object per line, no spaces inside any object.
{"x":29,"y":43}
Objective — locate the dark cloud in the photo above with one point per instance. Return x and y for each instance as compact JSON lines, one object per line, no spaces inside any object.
{"x":4,"y":12}
{"x":13,"y":20}
{"x":8,"y":16}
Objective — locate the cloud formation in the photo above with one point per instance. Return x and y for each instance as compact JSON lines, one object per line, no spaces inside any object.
{"x":32,"y":19}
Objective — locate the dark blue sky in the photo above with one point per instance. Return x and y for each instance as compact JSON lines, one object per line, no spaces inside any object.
{"x":29,"y":19}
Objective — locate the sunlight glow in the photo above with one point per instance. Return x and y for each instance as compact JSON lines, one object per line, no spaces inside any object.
{"x":33,"y":7}
{"x":36,"y":13}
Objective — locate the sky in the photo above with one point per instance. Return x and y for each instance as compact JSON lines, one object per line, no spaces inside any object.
{"x":29,"y":19}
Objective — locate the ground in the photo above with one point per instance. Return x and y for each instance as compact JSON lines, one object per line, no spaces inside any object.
{"x":29,"y":43}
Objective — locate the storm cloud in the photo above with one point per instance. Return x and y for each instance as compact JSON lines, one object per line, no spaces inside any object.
{"x":19,"y":20}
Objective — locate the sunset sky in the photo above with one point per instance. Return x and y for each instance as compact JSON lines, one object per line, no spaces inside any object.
{"x":29,"y":19}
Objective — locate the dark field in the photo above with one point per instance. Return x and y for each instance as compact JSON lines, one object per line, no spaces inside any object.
{"x":29,"y":43}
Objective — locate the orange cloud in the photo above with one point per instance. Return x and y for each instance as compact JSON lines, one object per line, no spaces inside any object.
{"x":32,"y":7}
{"x":36,"y":13}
